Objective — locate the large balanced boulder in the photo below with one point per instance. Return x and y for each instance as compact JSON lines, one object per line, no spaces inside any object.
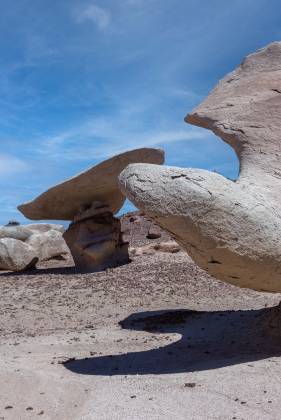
{"x":230,"y":229}
{"x":99,"y":183}
{"x":89,"y":201}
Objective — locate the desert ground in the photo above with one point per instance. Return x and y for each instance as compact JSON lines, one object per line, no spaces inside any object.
{"x":154,"y":339}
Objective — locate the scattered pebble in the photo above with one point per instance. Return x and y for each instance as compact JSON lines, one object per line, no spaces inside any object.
{"x":190,"y":385}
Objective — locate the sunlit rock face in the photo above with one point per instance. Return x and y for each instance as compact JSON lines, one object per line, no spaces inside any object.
{"x":230,"y":229}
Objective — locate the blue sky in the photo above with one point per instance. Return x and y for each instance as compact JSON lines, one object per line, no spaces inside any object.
{"x":83,"y":80}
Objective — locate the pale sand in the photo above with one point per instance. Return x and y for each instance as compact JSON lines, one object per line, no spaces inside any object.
{"x":132,"y":361}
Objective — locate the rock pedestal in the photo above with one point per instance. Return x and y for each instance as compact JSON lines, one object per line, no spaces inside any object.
{"x":90,"y":200}
{"x":96,"y":243}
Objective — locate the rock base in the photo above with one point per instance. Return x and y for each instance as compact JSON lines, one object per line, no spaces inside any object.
{"x":96,"y":243}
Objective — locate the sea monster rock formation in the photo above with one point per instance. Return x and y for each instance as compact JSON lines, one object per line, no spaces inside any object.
{"x":89,"y":201}
{"x":230,"y":229}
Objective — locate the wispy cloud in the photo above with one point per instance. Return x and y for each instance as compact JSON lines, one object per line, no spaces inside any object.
{"x":92,"y":142}
{"x":94,"y":13}
{"x":10,"y":165}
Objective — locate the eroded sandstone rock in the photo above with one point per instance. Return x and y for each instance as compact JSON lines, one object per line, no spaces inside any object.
{"x":96,"y":243}
{"x":171,"y":247}
{"x":99,"y":183}
{"x":47,"y":245}
{"x":90,"y":201}
{"x":23,"y":246}
{"x":16,"y":255}
{"x":230,"y":229}
{"x":16,"y":232}
{"x":45,"y":227}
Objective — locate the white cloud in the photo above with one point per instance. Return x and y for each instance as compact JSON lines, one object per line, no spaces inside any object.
{"x":99,"y":140}
{"x":10,"y":165}
{"x":99,"y":16}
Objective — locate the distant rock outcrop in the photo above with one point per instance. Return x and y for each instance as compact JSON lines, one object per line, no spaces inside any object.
{"x":21,"y":247}
{"x":230,"y":229}
{"x":48,"y":244}
{"x":171,"y":247}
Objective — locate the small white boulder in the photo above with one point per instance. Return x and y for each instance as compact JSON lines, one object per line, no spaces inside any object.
{"x":16,"y":255}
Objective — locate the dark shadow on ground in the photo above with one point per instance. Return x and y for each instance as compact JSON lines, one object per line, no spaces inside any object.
{"x":210,"y":340}
{"x":65,"y":270}
{"x":41,"y":271}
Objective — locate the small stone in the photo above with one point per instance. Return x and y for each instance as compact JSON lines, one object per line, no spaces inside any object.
{"x":153,"y":235}
{"x":190,"y":385}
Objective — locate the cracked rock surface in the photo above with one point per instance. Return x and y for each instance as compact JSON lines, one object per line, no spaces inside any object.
{"x":230,"y":229}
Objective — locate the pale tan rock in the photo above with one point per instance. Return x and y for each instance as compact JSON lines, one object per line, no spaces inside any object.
{"x":45,"y":227}
{"x":230,"y":229}
{"x":95,"y":209}
{"x":100,"y":183}
{"x":45,"y":239}
{"x":96,"y":243}
{"x":47,"y":245}
{"x":21,"y":233}
{"x":16,"y":255}
{"x":170,"y":247}
{"x":90,"y":200}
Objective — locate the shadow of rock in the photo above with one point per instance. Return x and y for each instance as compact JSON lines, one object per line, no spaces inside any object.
{"x":66,"y":270}
{"x":209,"y":340}
{"x":42,"y":271}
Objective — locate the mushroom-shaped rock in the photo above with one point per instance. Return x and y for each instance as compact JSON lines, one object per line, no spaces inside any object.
{"x":230,"y":229}
{"x":89,"y":201}
{"x":98,"y":184}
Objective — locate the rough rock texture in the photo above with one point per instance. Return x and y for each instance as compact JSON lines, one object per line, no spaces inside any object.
{"x":96,"y":243}
{"x":89,"y":200}
{"x":45,"y":227}
{"x":230,"y":229}
{"x":171,"y":247}
{"x":23,"y":246}
{"x":16,"y":232}
{"x":100,"y":183}
{"x":16,"y":255}
{"x":48,"y":244}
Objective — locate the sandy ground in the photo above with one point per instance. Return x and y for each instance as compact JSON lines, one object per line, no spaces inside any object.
{"x":155,"y":339}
